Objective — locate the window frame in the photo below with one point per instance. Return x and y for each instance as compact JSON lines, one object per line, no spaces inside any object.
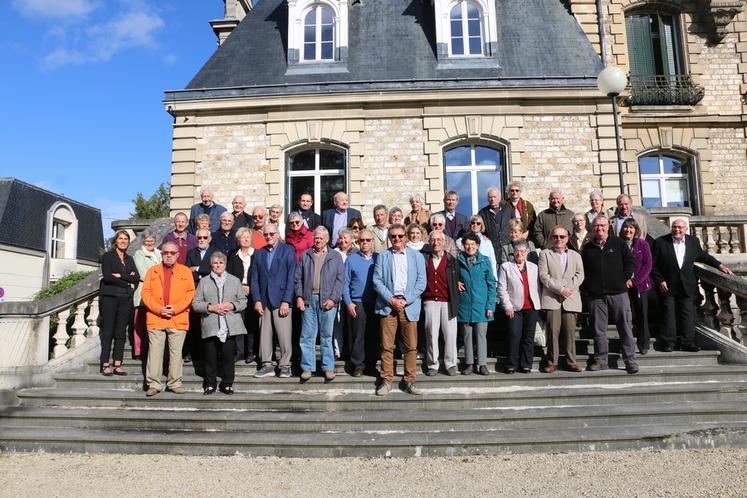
{"x":317,"y":173}
{"x":691,"y":178}
{"x":473,"y":169}
{"x":318,"y":8}
{"x":679,"y":66}
{"x":465,"y":37}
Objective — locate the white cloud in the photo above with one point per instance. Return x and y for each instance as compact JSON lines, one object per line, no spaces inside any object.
{"x":58,"y":9}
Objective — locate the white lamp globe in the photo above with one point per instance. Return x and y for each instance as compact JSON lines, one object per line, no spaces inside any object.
{"x":612,"y":81}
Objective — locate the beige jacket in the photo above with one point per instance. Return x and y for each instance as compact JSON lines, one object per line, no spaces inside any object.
{"x":553,"y":280}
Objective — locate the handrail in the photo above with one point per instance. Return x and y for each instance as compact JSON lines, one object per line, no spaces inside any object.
{"x":717,"y":311}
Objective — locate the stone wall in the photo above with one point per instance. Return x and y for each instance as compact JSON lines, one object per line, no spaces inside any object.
{"x":728,"y":170}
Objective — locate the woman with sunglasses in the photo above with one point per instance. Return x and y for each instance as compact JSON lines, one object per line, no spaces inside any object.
{"x":299,"y":236}
{"x":356,"y":225}
{"x":476,"y":226}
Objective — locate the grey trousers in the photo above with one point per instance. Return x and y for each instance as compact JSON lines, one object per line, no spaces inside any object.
{"x":475,"y":333}
{"x":561,"y":323}
{"x":616,"y":307}
{"x":283,"y":327}
{"x":437,"y":319}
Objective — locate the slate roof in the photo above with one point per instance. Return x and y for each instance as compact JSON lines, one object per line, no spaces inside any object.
{"x":392,"y":45}
{"x":23,"y":219}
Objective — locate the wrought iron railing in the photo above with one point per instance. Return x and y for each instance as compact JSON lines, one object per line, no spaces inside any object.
{"x":664,"y":90}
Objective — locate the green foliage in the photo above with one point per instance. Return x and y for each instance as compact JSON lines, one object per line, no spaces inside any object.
{"x":157,"y":206}
{"x":62,"y":284}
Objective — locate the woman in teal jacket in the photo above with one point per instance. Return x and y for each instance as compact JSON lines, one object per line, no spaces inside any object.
{"x":476,"y":303}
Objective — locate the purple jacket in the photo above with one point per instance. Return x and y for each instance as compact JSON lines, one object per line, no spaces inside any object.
{"x":643,"y":264}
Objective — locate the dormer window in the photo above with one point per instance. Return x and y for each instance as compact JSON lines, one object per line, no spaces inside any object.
{"x":466,"y":29}
{"x":319,"y":34}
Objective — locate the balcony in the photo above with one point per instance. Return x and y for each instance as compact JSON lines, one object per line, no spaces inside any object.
{"x":664,"y":90}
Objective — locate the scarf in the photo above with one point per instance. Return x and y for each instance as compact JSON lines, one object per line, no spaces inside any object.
{"x":471,"y":261}
{"x":222,"y":325}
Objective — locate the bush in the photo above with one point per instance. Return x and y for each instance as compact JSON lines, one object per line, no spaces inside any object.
{"x":62,"y":284}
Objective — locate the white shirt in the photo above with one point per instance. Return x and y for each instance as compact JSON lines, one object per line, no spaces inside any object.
{"x":246,"y":260}
{"x":399,"y":260}
{"x":679,"y":250}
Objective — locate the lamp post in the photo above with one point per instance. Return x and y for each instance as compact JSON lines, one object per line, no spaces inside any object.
{"x":611,"y":82}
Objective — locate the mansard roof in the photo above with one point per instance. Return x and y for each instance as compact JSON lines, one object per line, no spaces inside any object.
{"x":23,"y":219}
{"x":392,"y":46}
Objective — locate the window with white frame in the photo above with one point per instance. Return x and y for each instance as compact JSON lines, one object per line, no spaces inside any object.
{"x":465,"y":22}
{"x":320,"y":172}
{"x":319,"y":34}
{"x":62,"y":232}
{"x":471,"y":170}
{"x":58,"y":238}
{"x":667,"y":181}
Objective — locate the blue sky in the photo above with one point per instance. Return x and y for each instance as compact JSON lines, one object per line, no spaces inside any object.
{"x":82,"y":87}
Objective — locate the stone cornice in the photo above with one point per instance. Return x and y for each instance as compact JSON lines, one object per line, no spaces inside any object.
{"x":718,"y":15}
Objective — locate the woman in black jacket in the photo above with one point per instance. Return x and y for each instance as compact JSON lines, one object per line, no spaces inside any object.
{"x":118,"y":281}
{"x":239,"y":265}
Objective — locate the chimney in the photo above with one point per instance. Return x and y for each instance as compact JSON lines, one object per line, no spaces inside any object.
{"x":234,"y":12}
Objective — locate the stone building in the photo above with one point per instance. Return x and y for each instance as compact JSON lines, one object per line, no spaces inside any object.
{"x":384,"y":99}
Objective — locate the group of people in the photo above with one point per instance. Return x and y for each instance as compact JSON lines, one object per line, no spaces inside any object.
{"x":364,"y":291}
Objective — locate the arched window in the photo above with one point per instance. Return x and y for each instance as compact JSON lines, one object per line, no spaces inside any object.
{"x":466,"y":29}
{"x":470,"y":170}
{"x":63,"y":232}
{"x":319,"y":34}
{"x":321,"y":172}
{"x":668,"y":180}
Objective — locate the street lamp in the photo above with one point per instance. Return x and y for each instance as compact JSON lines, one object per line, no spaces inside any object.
{"x":611,"y":82}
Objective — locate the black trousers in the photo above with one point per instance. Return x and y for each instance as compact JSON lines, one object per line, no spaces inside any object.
{"x":521,"y":339}
{"x":363,"y":338}
{"x":247,"y":346}
{"x":639,"y":307}
{"x":219,"y":361}
{"x":116,"y":314}
{"x":678,"y":315}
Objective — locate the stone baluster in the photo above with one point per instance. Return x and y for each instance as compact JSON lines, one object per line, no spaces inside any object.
{"x":723,"y":239}
{"x":708,"y":310}
{"x":93,"y":318}
{"x":740,"y":330}
{"x":60,"y":337}
{"x":79,"y":325}
{"x":725,"y":315}
{"x":743,"y":238}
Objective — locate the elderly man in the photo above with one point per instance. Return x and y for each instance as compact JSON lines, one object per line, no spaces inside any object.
{"x":455,"y":223}
{"x":259,"y":218}
{"x":198,"y":258}
{"x":623,"y":212}
{"x":496,"y":218}
{"x":273,"y":276}
{"x":224,"y":239}
{"x":608,"y":270}
{"x":181,"y":237}
{"x":205,"y":206}
{"x":561,"y":272}
{"x":337,"y":218}
{"x":556,"y":214}
{"x":675,"y":255}
{"x":441,"y":304}
{"x":521,"y":209}
{"x":305,"y":207}
{"x":359,"y":296}
{"x":380,"y":228}
{"x":438,"y":222}
{"x":399,"y":280}
{"x":319,"y":278}
{"x":240,"y":217}
{"x":167,"y":293}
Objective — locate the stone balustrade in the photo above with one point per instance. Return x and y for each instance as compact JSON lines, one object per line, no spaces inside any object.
{"x":724,"y":307}
{"x":717,"y":234}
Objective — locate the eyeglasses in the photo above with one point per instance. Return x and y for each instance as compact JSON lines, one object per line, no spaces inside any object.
{"x":203,"y":237}
{"x":559,"y":236}
{"x":270,"y":234}
{"x":295,"y":222}
{"x":260,"y":216}
{"x":365,"y":240}
{"x":356,"y":229}
{"x":678,"y":227}
{"x":437,"y":224}
{"x":475,"y":223}
{"x":169,"y":253}
{"x":396,"y":235}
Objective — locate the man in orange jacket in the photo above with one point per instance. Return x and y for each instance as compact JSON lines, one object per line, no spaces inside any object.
{"x":167,"y":294}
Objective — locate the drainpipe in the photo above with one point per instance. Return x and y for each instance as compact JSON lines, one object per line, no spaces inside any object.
{"x":602,"y":43}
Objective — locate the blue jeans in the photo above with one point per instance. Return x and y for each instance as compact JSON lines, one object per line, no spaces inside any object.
{"x":317,"y":320}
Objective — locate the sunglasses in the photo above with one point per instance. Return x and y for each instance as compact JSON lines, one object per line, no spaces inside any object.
{"x":397,"y":236}
{"x":365,"y":240}
{"x":270,"y":234}
{"x":204,"y":237}
{"x":559,"y":236}
{"x":169,"y":253}
{"x":475,"y":223}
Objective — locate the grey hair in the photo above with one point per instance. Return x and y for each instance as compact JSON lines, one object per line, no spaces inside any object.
{"x":241,"y":231}
{"x":437,"y":233}
{"x":418,"y":198}
{"x":345,"y":231}
{"x":520,"y":244}
{"x":438,"y":217}
{"x":206,"y":189}
{"x":148,"y":235}
{"x":379,"y":207}
{"x":493,"y":189}
{"x":227,"y":215}
{"x":514,"y":184}
{"x":323,"y":230}
{"x":596,"y":193}
{"x":276,"y":206}
{"x":395,"y":210}
{"x":218,"y":255}
{"x":295,"y":215}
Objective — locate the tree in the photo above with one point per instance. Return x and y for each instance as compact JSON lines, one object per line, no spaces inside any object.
{"x":157,"y":206}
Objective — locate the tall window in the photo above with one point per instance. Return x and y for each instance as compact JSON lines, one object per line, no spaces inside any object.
{"x":320,"y":172}
{"x":653,"y":44}
{"x":466,"y":29}
{"x":667,"y":181}
{"x":59,"y":229}
{"x":470,"y":171}
{"x":319,"y":34}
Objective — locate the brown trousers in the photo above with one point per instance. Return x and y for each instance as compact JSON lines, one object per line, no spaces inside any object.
{"x":561,"y":323}
{"x":409,"y":330}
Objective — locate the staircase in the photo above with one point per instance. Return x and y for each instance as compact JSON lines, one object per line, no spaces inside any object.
{"x":678,"y":400}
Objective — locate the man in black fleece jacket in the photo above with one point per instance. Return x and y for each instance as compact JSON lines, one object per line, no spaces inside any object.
{"x":608,"y":269}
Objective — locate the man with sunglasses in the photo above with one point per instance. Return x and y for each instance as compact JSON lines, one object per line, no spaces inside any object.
{"x":259,"y":218}
{"x":399,"y":279}
{"x":521,"y":209}
{"x":272,"y":286}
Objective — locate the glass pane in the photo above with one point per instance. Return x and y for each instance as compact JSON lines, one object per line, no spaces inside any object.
{"x":487,"y":156}
{"x":309,"y":51}
{"x":327,"y":50}
{"x":475,"y":46}
{"x":60,"y":230}
{"x":461,"y":184}
{"x":330,"y":186}
{"x":458,"y":156}
{"x":331,"y":159}
{"x":59,"y":249}
{"x":298,"y":185}
{"x":309,"y":34}
{"x":651,"y":194}
{"x":487,"y":179}
{"x":303,"y":161}
{"x":457,"y":46}
{"x":472,"y":11}
{"x":473,"y":28}
{"x":327,"y":33}
{"x":674,"y":165}
{"x":310,"y":19}
{"x":649,"y":165}
{"x":456,"y":28}
{"x":676,"y":193}
{"x":456,"y":13}
{"x":327,"y":17}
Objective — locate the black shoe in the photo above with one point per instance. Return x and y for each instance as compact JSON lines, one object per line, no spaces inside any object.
{"x":187,"y":359}
{"x":483,"y":370}
{"x":226,"y":390}
{"x":468,"y":369}
{"x":690,"y":348}
{"x":508,"y":371}
{"x":208,"y":390}
{"x":409,"y":388}
{"x":666,"y":349}
{"x":631,"y":367}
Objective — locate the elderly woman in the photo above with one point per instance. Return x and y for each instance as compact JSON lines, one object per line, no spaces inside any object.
{"x":219,"y":299}
{"x":419,"y":214}
{"x":518,"y":290}
{"x":298,"y":236}
{"x":119,"y":276}
{"x":477,"y":226}
{"x":416,"y":235}
{"x":516,"y":232}
{"x":274,"y":215}
{"x":438,"y":222}
{"x":396,"y":216}
{"x":148,"y":255}
{"x":596,"y":201}
{"x":476,"y":302}
{"x":203,"y":221}
{"x":641,"y":283}
{"x":577,"y":239}
{"x":239,"y":265}
{"x":356,"y":225}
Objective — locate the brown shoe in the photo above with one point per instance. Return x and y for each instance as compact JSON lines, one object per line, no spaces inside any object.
{"x":305,"y":376}
{"x":178,"y":390}
{"x":358,"y":372}
{"x":549,"y":368}
{"x":572,"y":367}
{"x":329,"y":376}
{"x":152,"y":391}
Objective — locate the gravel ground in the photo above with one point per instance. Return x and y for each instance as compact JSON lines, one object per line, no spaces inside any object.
{"x":680,"y":473}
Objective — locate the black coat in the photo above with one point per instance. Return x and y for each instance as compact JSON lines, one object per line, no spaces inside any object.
{"x":606,"y":270}
{"x":193,"y":259}
{"x":236,"y":267}
{"x":682,"y":281}
{"x":118,"y":286}
{"x":496,"y":226}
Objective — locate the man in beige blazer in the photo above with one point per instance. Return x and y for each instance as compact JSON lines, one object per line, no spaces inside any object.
{"x":561,"y":272}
